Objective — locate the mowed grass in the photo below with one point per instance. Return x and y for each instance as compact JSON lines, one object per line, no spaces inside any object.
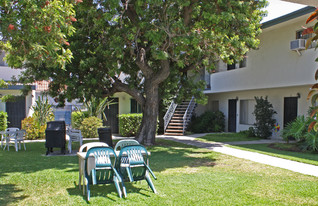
{"x":299,"y":156}
{"x":186,"y":176}
{"x":226,"y":137}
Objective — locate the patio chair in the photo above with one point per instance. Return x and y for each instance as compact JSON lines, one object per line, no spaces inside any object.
{"x":10,"y":136}
{"x":104,"y":171}
{"x":20,"y":137}
{"x":125,"y":142}
{"x":132,"y":166}
{"x":84,"y":148}
{"x":75,"y":135}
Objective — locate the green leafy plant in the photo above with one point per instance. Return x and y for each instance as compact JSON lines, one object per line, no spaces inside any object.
{"x":96,"y":106}
{"x":33,"y":128}
{"x":248,"y":133}
{"x":77,"y":118}
{"x":296,"y":129}
{"x":129,"y":124}
{"x":89,"y":127}
{"x":43,"y":111}
{"x":3,"y":120}
{"x":208,"y":122}
{"x":264,"y":117}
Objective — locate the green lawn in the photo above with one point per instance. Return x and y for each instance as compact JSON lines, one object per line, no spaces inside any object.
{"x":226,"y":137}
{"x":186,"y":176}
{"x":305,"y":157}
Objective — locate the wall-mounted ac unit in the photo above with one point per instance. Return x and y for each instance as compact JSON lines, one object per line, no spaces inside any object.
{"x":298,"y":44}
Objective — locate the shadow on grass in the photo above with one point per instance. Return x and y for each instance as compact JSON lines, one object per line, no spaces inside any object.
{"x":164,"y":155}
{"x":8,"y":194}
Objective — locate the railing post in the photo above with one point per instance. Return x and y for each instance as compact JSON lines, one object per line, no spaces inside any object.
{"x":169,"y":114}
{"x":189,"y":110}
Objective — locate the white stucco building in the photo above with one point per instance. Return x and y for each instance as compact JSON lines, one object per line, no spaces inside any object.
{"x":274,"y":70}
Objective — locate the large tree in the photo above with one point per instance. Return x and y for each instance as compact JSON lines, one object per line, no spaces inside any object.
{"x":36,"y":30}
{"x":150,"y":41}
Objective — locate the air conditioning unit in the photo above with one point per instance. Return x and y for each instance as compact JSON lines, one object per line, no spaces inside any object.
{"x":298,"y":44}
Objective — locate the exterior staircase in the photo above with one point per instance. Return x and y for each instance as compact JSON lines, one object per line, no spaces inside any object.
{"x":178,"y":117}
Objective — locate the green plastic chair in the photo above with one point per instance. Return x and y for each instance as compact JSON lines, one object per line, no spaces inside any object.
{"x":131,"y":164}
{"x":104,"y":171}
{"x":125,"y":142}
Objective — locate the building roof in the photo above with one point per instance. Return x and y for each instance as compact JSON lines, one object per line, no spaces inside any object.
{"x":287,"y":17}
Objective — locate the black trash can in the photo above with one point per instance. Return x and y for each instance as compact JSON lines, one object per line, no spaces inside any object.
{"x":105,"y":135}
{"x":55,"y":136}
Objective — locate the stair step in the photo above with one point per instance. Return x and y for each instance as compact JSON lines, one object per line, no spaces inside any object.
{"x":177,"y":118}
{"x":176,"y":121}
{"x":173,"y":134}
{"x":174,"y":130}
{"x":175,"y":124}
{"x":180,"y":127}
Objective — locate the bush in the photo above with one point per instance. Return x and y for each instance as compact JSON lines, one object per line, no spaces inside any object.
{"x":296,"y":129}
{"x":77,"y":118}
{"x":3,"y":121}
{"x":264,"y":117}
{"x":248,"y":133}
{"x":129,"y":124}
{"x":33,"y":128}
{"x":89,"y":127}
{"x":208,"y":122}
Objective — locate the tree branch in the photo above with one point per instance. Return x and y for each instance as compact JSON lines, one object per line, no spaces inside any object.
{"x":162,"y":74}
{"x":187,"y":11}
{"x":141,"y":62}
{"x":122,"y":87}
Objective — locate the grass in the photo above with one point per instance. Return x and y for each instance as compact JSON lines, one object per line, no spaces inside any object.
{"x":226,"y":137}
{"x":304,"y":157}
{"x":186,"y":176}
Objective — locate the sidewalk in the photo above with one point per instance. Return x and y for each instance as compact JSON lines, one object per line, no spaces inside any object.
{"x":253,"y":156}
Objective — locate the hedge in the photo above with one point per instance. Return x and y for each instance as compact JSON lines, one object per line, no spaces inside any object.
{"x":3,"y":120}
{"x":129,"y":124}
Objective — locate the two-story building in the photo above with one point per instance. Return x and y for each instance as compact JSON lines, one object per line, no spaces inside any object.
{"x":280,"y":69}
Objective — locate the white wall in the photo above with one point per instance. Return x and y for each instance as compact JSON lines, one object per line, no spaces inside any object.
{"x":275,"y":97}
{"x":272,"y":65}
{"x":124,"y":102}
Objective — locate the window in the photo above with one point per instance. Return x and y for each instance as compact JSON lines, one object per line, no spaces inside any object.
{"x":246,"y":112}
{"x":135,"y":107}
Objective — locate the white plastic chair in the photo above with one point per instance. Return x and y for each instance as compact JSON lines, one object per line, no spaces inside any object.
{"x":20,"y":138}
{"x":84,"y":148}
{"x":75,"y":135}
{"x":11,"y":136}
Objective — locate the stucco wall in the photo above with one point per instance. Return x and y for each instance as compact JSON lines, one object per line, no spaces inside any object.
{"x":124,"y":102}
{"x":272,"y":65}
{"x":275,"y":97}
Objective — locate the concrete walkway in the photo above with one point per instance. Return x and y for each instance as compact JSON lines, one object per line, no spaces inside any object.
{"x":303,"y":168}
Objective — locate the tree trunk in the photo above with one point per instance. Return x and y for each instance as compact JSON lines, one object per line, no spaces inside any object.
{"x":147,"y":132}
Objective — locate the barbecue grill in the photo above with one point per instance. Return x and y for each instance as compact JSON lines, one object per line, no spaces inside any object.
{"x":55,"y":136}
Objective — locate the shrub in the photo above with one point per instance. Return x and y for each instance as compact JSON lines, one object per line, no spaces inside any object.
{"x":43,"y":111}
{"x":33,"y":128}
{"x":77,"y":118}
{"x":129,"y":124}
{"x":208,"y":122}
{"x":89,"y":127}
{"x":296,"y":129}
{"x":3,"y":121}
{"x":248,"y":133}
{"x":264,"y":117}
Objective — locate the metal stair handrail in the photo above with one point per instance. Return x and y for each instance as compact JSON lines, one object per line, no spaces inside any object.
{"x":169,"y":114}
{"x":188,"y":114}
